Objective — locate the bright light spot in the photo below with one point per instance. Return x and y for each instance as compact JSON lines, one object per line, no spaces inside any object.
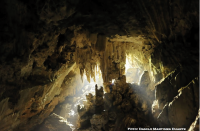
{"x":127,"y":65}
{"x":113,"y":80}
{"x":81,"y":106}
{"x":72,"y":113}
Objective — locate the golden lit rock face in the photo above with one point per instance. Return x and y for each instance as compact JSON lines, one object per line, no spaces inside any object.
{"x":34,"y":101}
{"x":109,"y":57}
{"x":42,"y":41}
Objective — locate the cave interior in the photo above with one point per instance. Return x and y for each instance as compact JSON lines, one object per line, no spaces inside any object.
{"x":99,"y":65}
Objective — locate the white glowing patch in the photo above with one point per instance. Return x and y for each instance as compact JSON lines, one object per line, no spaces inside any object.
{"x":72,"y":113}
{"x":97,"y":68}
{"x":113,"y":80}
{"x":127,"y":65}
{"x":81,"y":106}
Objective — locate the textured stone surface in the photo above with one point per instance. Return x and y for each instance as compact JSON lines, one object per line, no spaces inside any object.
{"x":182,"y":110}
{"x":187,"y":98}
{"x":33,"y":102}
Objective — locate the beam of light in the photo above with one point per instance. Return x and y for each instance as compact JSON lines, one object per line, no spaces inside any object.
{"x":127,"y":65}
{"x":80,"y":96}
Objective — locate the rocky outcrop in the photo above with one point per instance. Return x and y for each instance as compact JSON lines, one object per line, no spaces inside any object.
{"x":189,"y":98}
{"x":168,"y":88}
{"x":147,"y":85}
{"x":127,"y":103}
{"x":182,"y":110}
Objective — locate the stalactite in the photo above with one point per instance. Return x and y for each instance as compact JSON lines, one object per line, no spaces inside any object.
{"x":106,"y":56}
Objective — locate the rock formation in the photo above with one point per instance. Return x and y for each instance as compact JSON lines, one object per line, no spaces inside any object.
{"x":126,"y":106}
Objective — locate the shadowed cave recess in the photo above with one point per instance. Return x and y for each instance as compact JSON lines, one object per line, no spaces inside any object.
{"x":99,"y":65}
